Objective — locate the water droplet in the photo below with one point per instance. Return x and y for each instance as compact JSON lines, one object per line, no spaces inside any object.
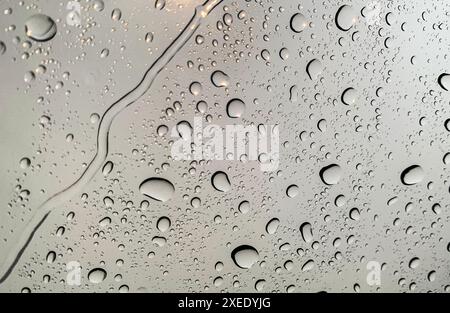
{"x":116,"y":15}
{"x":196,"y":89}
{"x":107,"y":168}
{"x":349,"y":96}
{"x":220,"y":79}
{"x":235,"y":108}
{"x":25,"y":163}
{"x":158,"y":189}
{"x":346,"y":17}
{"x":354,"y":214}
{"x":444,"y":81}
{"x":309,"y":265}
{"x":292,"y":191}
{"x":331,"y":174}
{"x":51,"y":257}
{"x":245,"y":256}
{"x":2,"y":48}
{"x":298,"y":22}
{"x":163,"y":224}
{"x":160,"y":4}
{"x":221,"y":182}
{"x":272,"y":226}
{"x":40,"y":27}
{"x":314,"y":69}
{"x":412,"y":175}
{"x":414,"y":263}
{"x":97,"y":275}
{"x":244,"y":207}
{"x":306,"y":231}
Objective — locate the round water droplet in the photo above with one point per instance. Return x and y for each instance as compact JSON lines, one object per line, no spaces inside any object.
{"x":220,"y":79}
{"x":292,"y":191}
{"x":25,"y":163}
{"x":444,"y":81}
{"x":272,"y":226}
{"x":349,"y":96}
{"x":196,"y":89}
{"x":354,"y":214}
{"x":158,"y":189}
{"x":163,"y":224}
{"x":314,"y":69}
{"x":244,"y":207}
{"x":245,"y":256}
{"x":40,"y":27}
{"x":414,"y":263}
{"x":412,"y":175}
{"x":331,"y":174}
{"x":97,"y":275}
{"x":221,"y":182}
{"x":235,"y":108}
{"x":346,"y":17}
{"x":298,"y":22}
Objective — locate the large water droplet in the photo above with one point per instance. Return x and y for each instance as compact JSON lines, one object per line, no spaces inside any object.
{"x":235,"y":108}
{"x":314,"y":69}
{"x":444,"y":81}
{"x":292,"y":191}
{"x":349,"y":96}
{"x":158,"y":189}
{"x":163,"y":224}
{"x":220,"y":79}
{"x":331,"y":174}
{"x":412,"y":175}
{"x":40,"y":27}
{"x":272,"y":226}
{"x":298,"y":22}
{"x":245,"y":256}
{"x":221,"y":182}
{"x":346,"y":17}
{"x":97,"y":275}
{"x":306,"y":231}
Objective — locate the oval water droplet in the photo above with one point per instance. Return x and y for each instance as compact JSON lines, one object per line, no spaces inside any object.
{"x":107,"y":168}
{"x":158,"y":189}
{"x":221,"y":182}
{"x":354,"y":214}
{"x":220,"y":79}
{"x":306,"y":231}
{"x":331,"y":174}
{"x":412,"y":175}
{"x":97,"y":275}
{"x":40,"y":27}
{"x":245,"y":256}
{"x":272,"y":226}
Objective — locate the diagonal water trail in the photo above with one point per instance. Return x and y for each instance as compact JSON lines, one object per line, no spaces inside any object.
{"x":39,"y":216}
